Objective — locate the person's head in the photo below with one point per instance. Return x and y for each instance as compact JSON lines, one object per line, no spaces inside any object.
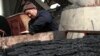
{"x":30,"y":10}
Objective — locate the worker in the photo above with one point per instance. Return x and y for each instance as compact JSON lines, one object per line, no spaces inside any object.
{"x":41,"y":21}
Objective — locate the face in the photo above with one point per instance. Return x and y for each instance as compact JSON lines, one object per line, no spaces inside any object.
{"x":31,"y":13}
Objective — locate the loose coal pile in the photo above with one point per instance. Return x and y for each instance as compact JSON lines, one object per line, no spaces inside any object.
{"x":2,"y":52}
{"x":87,"y":46}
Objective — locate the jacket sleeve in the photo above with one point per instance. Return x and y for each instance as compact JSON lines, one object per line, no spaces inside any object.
{"x":40,"y":23}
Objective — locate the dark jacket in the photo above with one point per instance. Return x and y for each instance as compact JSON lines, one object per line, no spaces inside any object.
{"x":5,"y":26}
{"x":42,"y":23}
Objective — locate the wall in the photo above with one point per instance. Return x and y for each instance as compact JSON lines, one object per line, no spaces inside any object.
{"x":1,"y":7}
{"x":9,"y":7}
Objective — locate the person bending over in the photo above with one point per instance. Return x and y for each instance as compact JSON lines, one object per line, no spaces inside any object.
{"x":41,"y":21}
